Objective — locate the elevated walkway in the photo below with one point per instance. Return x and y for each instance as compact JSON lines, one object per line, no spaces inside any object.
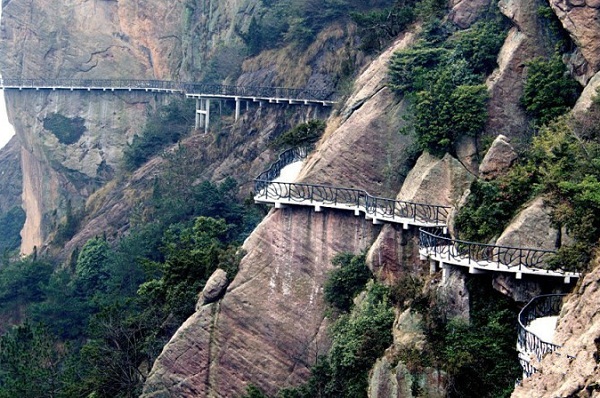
{"x":202,"y":92}
{"x":480,"y":257}
{"x":533,"y":339}
{"x":268,"y":190}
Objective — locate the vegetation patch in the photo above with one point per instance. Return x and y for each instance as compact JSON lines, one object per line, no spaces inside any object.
{"x":301,"y":135}
{"x":163,"y":128}
{"x":443,"y":75}
{"x":68,"y":130}
{"x":12,"y":222}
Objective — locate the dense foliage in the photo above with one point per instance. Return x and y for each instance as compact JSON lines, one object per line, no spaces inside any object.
{"x":346,"y":280}
{"x":11,"y":224}
{"x":110,"y":311}
{"x":358,"y":339}
{"x":301,"y":135}
{"x":164,"y":127}
{"x":549,"y":90}
{"x":68,"y":130}
{"x":443,"y":75}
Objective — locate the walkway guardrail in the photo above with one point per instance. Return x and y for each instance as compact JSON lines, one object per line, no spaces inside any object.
{"x":268,"y":190}
{"x":188,"y":88}
{"x":528,"y":343}
{"x":538,"y":307}
{"x":484,"y":254}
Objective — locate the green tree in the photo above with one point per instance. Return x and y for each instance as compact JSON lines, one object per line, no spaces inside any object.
{"x":549,"y":90}
{"x":31,"y":363}
{"x":346,"y":281}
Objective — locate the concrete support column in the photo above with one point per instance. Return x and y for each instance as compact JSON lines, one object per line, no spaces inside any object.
{"x":432,"y":267}
{"x":445,"y":272}
{"x":237,"y":108}
{"x":202,"y":113}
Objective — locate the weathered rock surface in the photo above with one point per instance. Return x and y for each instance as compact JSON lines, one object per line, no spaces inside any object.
{"x":388,"y":381}
{"x":588,"y":94}
{"x":436,"y":181}
{"x":362,"y":149}
{"x":269,"y":327}
{"x":11,"y":177}
{"x":464,"y":12}
{"x":578,"y":332}
{"x":525,"y":41}
{"x":395,"y":253}
{"x":498,"y":159}
{"x":408,"y":331}
{"x":532,"y":227}
{"x":215,"y":285}
{"x":580,"y":19}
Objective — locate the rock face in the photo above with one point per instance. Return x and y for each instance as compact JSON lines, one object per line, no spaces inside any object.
{"x":525,"y":41}
{"x":463,"y":12}
{"x":580,"y":19}
{"x":388,"y":381}
{"x":436,"y":181}
{"x":578,"y":332}
{"x":532,"y":227}
{"x":270,"y":326}
{"x":215,"y":286}
{"x":364,"y":142}
{"x":498,"y":159}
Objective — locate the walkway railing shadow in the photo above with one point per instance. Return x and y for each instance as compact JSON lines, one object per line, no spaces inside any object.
{"x":268,"y":190}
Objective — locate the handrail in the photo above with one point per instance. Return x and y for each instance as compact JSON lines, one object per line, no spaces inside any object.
{"x":189,"y":88}
{"x":358,"y":199}
{"x":509,"y":256}
{"x":538,"y":307}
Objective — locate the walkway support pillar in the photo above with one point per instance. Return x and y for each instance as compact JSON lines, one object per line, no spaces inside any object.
{"x":237,"y":108}
{"x":202,"y":113}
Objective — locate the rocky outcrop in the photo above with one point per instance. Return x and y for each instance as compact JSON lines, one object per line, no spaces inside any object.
{"x":389,"y":381}
{"x":271,"y":321}
{"x":362,"y":148}
{"x":525,"y":41}
{"x":580,"y":19}
{"x":436,"y":181}
{"x":498,"y":159}
{"x":394,"y":253}
{"x":574,"y":373}
{"x":588,"y":94}
{"x":532,"y":227}
{"x":464,"y":12}
{"x":214,"y":288}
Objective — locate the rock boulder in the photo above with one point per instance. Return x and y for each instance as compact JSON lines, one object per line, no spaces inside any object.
{"x":214,"y":288}
{"x":498,"y":159}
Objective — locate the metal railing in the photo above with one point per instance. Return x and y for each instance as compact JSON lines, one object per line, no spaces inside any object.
{"x":189,"y":88}
{"x":358,"y":199}
{"x":485,"y":254}
{"x":538,"y":307}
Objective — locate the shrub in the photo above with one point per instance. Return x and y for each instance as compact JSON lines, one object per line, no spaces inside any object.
{"x":549,"y":91}
{"x":67,"y":130}
{"x":346,"y":281}
{"x":303,"y":134}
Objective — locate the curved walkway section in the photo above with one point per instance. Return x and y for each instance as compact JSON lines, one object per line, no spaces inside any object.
{"x":480,"y":257}
{"x":194,"y":90}
{"x":267,"y":190}
{"x":529,"y":344}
